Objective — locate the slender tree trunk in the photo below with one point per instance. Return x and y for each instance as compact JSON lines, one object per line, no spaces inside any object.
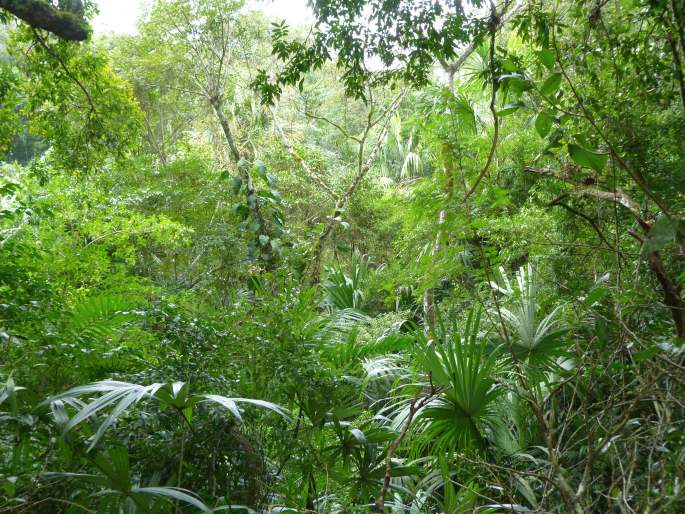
{"x":251,"y":197}
{"x":225,"y":126}
{"x":314,"y":268}
{"x":429,"y":294}
{"x":313,"y":271}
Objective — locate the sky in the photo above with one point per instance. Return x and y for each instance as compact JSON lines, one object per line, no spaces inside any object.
{"x":120,"y":16}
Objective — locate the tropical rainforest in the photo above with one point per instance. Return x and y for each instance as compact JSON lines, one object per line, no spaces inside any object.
{"x":416,"y":256}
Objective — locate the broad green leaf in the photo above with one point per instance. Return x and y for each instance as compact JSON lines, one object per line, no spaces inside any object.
{"x":551,"y":85}
{"x":281,"y":411}
{"x":516,"y":81}
{"x":587,"y":159}
{"x":526,"y":491}
{"x":510,"y":108}
{"x":236,"y":184}
{"x":242,"y":211}
{"x":115,"y":466}
{"x":232,"y":405}
{"x":358,"y":436}
{"x":508,"y":65}
{"x":646,"y":354}
{"x":260,"y":168}
{"x":227,"y":403}
{"x":85,"y":477}
{"x":595,"y":296}
{"x":543,"y":124}
{"x":547,"y":58}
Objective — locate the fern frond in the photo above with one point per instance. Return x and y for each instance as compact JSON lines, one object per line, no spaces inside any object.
{"x":99,"y":318}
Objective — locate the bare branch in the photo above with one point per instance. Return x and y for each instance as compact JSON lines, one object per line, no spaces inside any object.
{"x":334,"y":124}
{"x":619,"y":196}
{"x":293,"y":153}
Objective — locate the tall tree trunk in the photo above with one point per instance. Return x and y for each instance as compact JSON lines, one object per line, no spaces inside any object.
{"x":218,"y":107}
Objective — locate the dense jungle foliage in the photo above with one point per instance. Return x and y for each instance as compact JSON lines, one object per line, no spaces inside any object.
{"x":422,"y":256}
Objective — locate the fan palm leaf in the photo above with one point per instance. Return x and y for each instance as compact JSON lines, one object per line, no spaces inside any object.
{"x":538,"y":340}
{"x":465,"y":374}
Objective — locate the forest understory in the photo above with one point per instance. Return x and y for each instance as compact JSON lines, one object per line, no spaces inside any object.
{"x":411,"y":257}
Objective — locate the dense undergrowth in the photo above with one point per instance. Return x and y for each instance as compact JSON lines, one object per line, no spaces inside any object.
{"x":430,"y":261}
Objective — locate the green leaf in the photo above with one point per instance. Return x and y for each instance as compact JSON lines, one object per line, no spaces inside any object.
{"x":543,"y":124}
{"x":242,"y":211}
{"x":510,"y":108}
{"x":547,"y":58}
{"x":551,"y":85}
{"x":515,"y":81}
{"x":662,"y":232}
{"x":586,"y":158}
{"x":281,"y":411}
{"x":646,"y":354}
{"x":508,"y":65}
{"x":260,"y":168}
{"x":595,"y":296}
{"x":232,"y":405}
{"x":236,"y":184}
{"x":173,"y":493}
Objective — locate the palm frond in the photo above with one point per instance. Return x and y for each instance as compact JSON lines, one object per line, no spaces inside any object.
{"x":538,"y":339}
{"x":465,"y":373}
{"x":120,"y":396}
{"x":345,"y":291}
{"x":172,"y":493}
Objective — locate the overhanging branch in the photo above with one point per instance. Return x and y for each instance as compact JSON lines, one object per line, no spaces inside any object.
{"x":618,"y":195}
{"x":68,"y":24}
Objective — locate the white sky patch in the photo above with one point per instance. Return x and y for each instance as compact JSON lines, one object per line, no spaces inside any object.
{"x":295,"y":12}
{"x":120,"y":16}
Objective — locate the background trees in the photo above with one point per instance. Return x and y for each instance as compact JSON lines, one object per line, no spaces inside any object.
{"x":428,"y":260}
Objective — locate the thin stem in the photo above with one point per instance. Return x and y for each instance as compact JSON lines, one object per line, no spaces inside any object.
{"x":493,"y":110}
